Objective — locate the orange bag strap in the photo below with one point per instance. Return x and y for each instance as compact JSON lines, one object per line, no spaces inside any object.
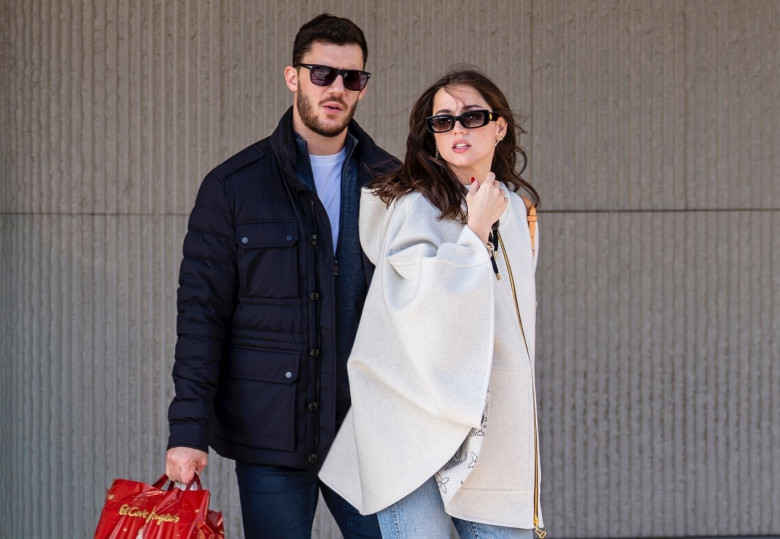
{"x":531,"y":217}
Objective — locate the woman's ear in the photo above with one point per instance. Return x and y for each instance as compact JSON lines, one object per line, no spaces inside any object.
{"x":501,"y":127}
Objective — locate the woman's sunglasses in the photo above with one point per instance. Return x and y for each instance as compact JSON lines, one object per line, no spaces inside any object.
{"x":441,"y":123}
{"x":325,"y":75}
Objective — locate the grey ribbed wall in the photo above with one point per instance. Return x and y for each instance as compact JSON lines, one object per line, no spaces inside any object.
{"x":653,"y":142}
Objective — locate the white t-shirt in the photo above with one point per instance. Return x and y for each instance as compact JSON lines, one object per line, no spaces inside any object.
{"x":327,"y":179}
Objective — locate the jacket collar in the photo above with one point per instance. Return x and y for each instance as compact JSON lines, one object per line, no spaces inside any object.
{"x":366,"y":151}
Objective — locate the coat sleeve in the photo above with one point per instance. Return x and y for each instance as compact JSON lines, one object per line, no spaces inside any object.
{"x":437,"y":290}
{"x":206,"y":300}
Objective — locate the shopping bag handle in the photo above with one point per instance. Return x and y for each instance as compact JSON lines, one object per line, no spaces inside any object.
{"x":161,"y":482}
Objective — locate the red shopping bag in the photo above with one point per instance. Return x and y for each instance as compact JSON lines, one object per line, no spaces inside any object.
{"x":135,"y":510}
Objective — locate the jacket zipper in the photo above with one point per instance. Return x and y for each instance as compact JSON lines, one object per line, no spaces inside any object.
{"x":539,"y":532}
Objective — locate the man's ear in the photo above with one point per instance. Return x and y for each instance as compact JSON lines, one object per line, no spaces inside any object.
{"x":291,"y":78}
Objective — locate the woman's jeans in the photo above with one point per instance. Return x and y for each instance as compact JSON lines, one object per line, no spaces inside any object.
{"x":278,"y":502}
{"x":421,"y":514}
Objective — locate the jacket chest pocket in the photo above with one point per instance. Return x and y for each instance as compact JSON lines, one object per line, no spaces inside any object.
{"x":268,"y":259}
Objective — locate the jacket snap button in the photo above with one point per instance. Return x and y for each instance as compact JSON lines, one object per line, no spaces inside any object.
{"x":244,"y":240}
{"x":312,"y":406}
{"x":288,"y":374}
{"x":289,"y":237}
{"x":312,"y":458}
{"x":314,"y":352}
{"x":314,"y":296}
{"x":313,"y":239}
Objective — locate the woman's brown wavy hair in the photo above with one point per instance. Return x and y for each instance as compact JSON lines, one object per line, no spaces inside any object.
{"x":431,"y":176}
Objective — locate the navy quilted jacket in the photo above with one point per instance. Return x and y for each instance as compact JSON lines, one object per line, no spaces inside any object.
{"x":255,"y":373}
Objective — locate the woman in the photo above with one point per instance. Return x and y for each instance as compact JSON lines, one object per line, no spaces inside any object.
{"x":443,"y":421}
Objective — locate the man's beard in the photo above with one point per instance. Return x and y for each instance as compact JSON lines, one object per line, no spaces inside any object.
{"x":310,"y":120}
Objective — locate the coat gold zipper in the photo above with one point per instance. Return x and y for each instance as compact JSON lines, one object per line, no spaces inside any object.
{"x":537,"y":530}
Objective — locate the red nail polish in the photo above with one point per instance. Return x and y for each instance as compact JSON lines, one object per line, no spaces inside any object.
{"x":473,"y":179}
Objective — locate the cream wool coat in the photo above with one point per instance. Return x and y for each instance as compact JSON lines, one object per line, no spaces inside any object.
{"x":437,"y":330}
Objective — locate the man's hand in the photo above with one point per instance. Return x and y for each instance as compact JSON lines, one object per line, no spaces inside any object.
{"x":181,"y":463}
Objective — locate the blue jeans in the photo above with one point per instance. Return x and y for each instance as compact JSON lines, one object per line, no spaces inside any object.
{"x":421,"y":514}
{"x":278,"y":502}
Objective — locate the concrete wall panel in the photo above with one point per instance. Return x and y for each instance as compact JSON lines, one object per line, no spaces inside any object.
{"x":610,"y":365}
{"x":609,"y":99}
{"x":732,"y":368}
{"x":90,"y":330}
{"x":652,"y":142}
{"x":657,"y":356}
{"x":733,"y":120}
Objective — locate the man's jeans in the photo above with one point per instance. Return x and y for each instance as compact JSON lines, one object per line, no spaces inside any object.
{"x":421,"y":514}
{"x":278,"y":502}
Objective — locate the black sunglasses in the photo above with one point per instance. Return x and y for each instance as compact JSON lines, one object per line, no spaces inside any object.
{"x":441,"y":123}
{"x":354,"y":79}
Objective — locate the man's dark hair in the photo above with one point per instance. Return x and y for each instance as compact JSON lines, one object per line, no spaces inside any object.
{"x":328,"y":28}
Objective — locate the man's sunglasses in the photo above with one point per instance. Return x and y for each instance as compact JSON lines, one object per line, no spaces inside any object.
{"x":354,"y":79}
{"x":441,"y":123}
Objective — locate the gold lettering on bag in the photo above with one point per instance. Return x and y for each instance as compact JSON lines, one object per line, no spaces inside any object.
{"x":163,"y":518}
{"x":136,"y":512}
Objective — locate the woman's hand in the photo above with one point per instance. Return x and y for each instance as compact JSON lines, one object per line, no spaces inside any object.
{"x":486,"y":202}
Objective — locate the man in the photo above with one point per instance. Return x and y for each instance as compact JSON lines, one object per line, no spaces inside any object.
{"x":271,"y":289}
